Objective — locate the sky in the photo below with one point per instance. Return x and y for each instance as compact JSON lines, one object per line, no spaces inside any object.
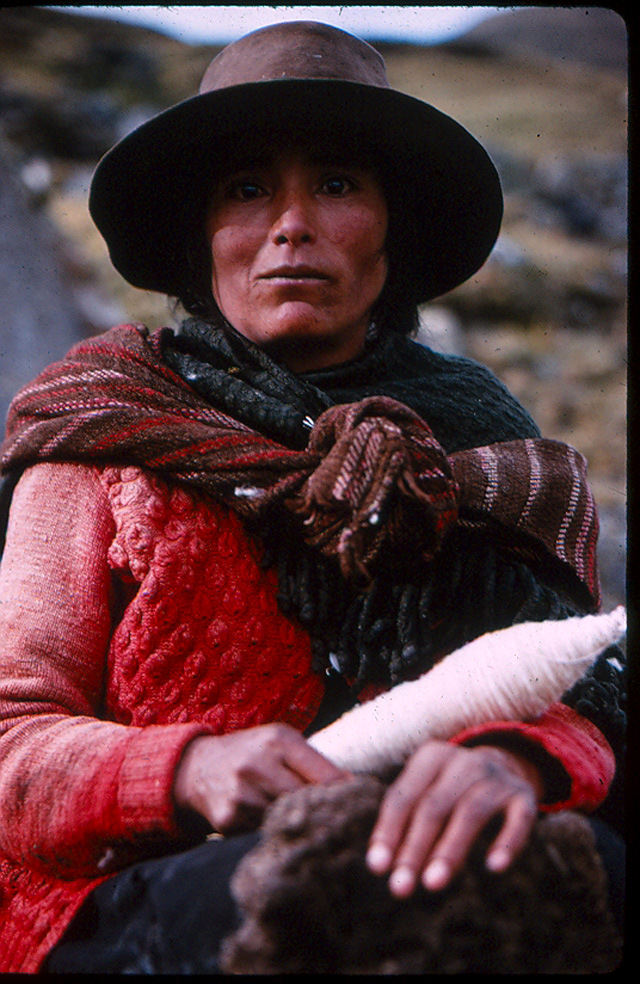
{"x":217,"y":24}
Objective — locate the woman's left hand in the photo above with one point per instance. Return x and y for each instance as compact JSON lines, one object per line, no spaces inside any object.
{"x":442,"y":799}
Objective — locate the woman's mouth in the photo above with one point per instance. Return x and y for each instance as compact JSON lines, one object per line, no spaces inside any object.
{"x":295,"y":274}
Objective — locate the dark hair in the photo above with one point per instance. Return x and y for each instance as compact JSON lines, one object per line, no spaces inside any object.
{"x":397,"y":307}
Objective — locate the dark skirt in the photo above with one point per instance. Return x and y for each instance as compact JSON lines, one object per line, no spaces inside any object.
{"x":171,"y":914}
{"x":168,"y":915}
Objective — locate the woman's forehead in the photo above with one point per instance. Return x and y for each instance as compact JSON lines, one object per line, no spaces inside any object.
{"x":314,"y":157}
{"x":270,"y":149}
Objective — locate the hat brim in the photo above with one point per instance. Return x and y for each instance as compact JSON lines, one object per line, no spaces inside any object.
{"x":146,"y":191}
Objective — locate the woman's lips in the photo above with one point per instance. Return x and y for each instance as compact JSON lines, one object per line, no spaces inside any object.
{"x":289,"y":274}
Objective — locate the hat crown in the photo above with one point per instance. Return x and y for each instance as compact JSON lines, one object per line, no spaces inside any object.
{"x":295,"y":50}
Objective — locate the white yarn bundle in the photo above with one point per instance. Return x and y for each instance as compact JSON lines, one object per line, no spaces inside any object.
{"x":512,"y":674}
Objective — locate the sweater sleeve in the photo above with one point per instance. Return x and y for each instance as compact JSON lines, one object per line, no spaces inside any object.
{"x":78,"y":795}
{"x":575,"y":760}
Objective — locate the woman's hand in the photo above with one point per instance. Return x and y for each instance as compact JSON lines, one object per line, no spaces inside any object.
{"x":231,"y":779}
{"x":431,"y":815}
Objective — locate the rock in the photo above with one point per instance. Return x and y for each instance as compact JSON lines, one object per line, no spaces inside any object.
{"x":64,"y":124}
{"x":612,"y":554}
{"x":39,"y":319}
{"x":589,"y":194}
{"x":439,"y":329}
{"x":36,"y":176}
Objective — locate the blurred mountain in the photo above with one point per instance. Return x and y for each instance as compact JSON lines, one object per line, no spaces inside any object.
{"x":543,"y":88}
{"x":595,"y":36}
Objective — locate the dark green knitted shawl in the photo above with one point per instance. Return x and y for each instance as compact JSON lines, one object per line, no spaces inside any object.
{"x":463,"y":402}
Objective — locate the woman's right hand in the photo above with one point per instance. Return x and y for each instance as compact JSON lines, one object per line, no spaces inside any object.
{"x":231,"y":779}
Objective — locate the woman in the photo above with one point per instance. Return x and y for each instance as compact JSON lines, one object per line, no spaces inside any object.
{"x":220,"y":538}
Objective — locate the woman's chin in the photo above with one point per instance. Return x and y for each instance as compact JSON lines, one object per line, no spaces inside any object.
{"x":304,"y":341}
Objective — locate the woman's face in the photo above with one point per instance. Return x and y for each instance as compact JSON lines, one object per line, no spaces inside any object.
{"x":298,"y":255}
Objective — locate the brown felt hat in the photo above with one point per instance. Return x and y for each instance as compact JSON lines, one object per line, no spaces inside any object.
{"x":149,"y":192}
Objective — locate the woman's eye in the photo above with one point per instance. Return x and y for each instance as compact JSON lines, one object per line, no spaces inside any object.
{"x":337,"y":186}
{"x":246,"y":191}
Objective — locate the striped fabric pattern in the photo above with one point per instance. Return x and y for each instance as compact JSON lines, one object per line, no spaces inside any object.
{"x":536,"y":488}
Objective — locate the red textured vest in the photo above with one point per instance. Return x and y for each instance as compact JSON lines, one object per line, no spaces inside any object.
{"x":202,"y":638}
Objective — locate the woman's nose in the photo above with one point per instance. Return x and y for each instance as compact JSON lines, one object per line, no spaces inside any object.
{"x":294,"y":224}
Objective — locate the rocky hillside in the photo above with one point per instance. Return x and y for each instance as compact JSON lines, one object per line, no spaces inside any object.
{"x":543,"y":88}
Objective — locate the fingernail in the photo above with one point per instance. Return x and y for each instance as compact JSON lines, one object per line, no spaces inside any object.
{"x":498,"y":860}
{"x":378,"y":858}
{"x":402,"y":881}
{"x":436,"y":874}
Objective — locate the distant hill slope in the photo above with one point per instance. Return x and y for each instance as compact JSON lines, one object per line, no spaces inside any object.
{"x":594,"y":35}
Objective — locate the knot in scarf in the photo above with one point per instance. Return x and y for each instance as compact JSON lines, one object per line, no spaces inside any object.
{"x":383,"y":489}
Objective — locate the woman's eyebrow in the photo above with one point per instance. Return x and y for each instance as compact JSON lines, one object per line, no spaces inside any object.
{"x":335,"y":158}
{"x":246,"y":163}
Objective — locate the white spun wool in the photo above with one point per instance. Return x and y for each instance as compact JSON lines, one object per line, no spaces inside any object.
{"x":512,"y":674}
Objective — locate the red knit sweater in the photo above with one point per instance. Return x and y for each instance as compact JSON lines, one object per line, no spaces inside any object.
{"x":134,"y":616}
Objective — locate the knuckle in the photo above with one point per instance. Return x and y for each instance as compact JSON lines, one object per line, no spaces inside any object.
{"x":526,"y":804}
{"x":224,"y":816}
{"x":271,"y":731}
{"x":396,"y":807}
{"x":431,"y":748}
{"x":493,"y":770}
{"x":480,"y":802}
{"x":488,"y":753}
{"x":233,"y":793}
{"x":491,"y":764}
{"x":244,"y":773}
{"x":395,"y":800}
{"x":275,"y":734}
{"x":434,"y":807}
